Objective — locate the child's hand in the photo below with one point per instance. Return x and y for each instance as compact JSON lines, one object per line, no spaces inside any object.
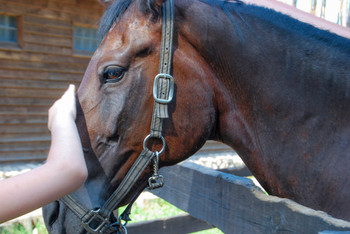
{"x":65,"y":165}
{"x":63,"y":110}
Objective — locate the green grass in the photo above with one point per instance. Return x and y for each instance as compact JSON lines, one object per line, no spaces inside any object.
{"x":17,"y":228}
{"x":210,"y":231}
{"x":147,"y":210}
{"x":152,"y":209}
{"x":158,"y":208}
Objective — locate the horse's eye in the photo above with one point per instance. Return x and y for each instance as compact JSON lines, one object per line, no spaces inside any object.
{"x":113,"y":74}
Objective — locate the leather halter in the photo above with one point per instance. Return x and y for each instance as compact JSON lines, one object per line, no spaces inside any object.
{"x":102,"y":220}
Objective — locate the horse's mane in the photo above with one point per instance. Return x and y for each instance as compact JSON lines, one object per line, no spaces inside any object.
{"x":240,"y":10}
{"x":289,"y":24}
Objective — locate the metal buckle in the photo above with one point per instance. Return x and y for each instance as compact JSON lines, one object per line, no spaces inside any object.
{"x":121,"y":227}
{"x":171,"y":88}
{"x":91,"y":216}
{"x":156,"y":181}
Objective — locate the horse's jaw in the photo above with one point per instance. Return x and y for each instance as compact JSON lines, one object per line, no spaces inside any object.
{"x":59,"y":219}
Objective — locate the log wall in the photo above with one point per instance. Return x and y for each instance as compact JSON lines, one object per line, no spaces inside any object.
{"x":36,"y":71}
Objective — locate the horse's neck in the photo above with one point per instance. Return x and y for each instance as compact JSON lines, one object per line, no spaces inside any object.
{"x":288,"y":97}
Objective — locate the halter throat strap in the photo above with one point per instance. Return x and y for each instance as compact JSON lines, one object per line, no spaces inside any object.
{"x":102,"y":220}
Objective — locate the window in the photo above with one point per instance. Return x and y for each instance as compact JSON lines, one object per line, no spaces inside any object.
{"x":8,"y":28}
{"x":85,"y":39}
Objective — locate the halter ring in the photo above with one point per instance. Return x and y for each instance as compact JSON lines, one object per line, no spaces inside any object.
{"x":149,"y":136}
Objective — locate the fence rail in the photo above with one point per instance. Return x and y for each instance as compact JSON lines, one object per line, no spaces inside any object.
{"x":235,"y":205}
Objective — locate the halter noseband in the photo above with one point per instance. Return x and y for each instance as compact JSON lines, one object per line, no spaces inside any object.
{"x":102,"y":220}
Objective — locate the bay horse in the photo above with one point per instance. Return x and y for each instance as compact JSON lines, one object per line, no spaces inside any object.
{"x":275,"y":89}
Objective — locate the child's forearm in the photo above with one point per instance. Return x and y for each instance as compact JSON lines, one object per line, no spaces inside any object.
{"x":67,"y":156}
{"x":47,"y":183}
{"x":29,"y":191}
{"x":64,"y":171}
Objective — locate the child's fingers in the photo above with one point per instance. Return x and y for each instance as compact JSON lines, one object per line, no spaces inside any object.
{"x":71,"y":89}
{"x":70,"y":92}
{"x":65,"y":105}
{"x":68,"y":97}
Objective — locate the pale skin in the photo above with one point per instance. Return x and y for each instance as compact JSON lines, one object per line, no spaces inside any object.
{"x":63,"y":173}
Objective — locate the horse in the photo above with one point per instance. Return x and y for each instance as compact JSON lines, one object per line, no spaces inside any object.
{"x":273,"y":88}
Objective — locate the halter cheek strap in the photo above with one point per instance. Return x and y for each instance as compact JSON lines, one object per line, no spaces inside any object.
{"x":102,"y":220}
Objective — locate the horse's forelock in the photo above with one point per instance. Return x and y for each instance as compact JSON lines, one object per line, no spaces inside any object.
{"x":112,"y":15}
{"x":115,"y":11}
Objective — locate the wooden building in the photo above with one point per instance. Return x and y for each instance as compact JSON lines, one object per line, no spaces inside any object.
{"x":44,"y":46}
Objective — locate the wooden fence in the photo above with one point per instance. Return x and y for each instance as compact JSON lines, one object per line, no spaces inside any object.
{"x":233,"y":204}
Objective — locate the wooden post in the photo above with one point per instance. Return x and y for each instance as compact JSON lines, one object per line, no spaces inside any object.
{"x":323,"y":9}
{"x":340,"y":15}
{"x":348,"y":14}
{"x":295,"y":3}
{"x":313,"y":6}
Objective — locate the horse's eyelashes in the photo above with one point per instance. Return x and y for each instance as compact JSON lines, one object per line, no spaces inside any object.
{"x":113,"y":74}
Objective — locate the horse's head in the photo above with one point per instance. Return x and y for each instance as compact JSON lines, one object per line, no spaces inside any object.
{"x":116,"y":104}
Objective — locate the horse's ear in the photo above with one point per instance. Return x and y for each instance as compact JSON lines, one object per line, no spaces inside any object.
{"x":153,"y":6}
